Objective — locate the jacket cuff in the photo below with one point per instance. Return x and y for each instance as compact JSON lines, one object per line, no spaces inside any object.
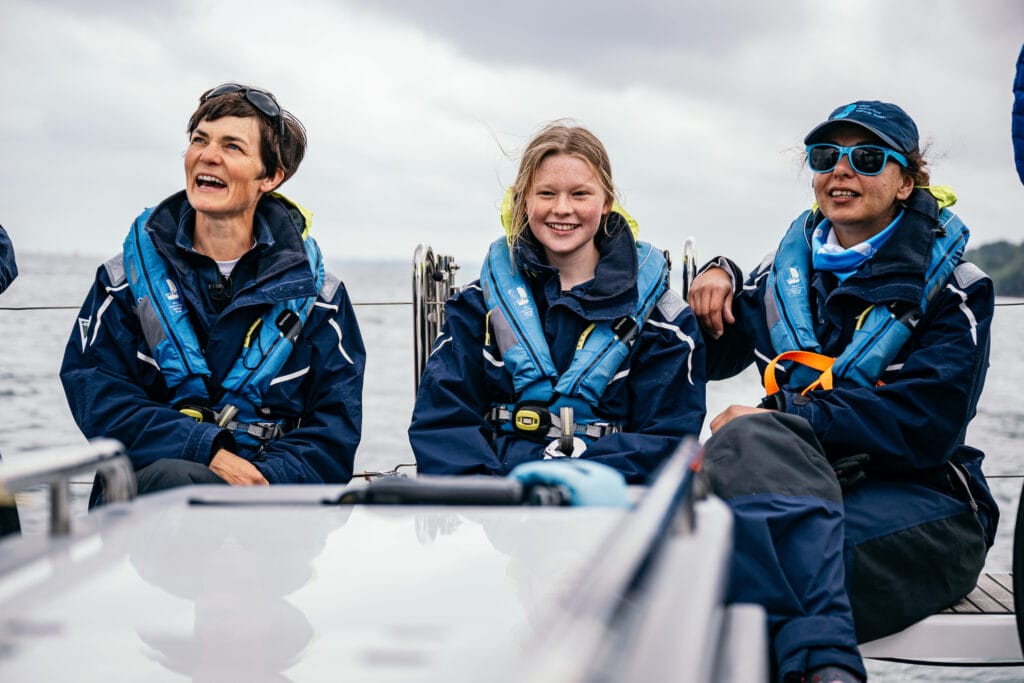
{"x":776,"y":401}
{"x":224,"y":439}
{"x":734,"y":271}
{"x":801,"y":406}
{"x":199,"y":447}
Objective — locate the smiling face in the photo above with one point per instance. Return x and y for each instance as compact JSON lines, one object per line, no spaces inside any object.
{"x":564,"y":208}
{"x":859,"y":206}
{"x":224,"y":175}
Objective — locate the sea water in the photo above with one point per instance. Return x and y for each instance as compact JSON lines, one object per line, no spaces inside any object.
{"x":34,"y":413}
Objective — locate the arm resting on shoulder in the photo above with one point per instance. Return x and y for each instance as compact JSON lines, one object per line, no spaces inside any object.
{"x":723,"y":306}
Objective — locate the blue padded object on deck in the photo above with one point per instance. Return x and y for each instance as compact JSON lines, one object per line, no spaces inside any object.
{"x":587,"y":482}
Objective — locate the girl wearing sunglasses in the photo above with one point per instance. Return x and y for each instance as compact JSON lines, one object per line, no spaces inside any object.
{"x":859,"y":508}
{"x":215,"y":346}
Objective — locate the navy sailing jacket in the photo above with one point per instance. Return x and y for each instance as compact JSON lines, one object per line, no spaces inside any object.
{"x":115,"y":390}
{"x":658,"y":396}
{"x":8,"y":266}
{"x":916,"y":421}
{"x":1018,"y":116}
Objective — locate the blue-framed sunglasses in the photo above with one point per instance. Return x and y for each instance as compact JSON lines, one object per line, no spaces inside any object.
{"x":864,"y":159}
{"x":261,"y":99}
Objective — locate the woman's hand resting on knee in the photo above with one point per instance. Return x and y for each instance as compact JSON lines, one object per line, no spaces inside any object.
{"x":235,"y":470}
{"x":731,"y":413}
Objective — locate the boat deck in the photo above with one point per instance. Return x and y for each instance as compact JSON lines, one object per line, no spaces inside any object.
{"x":992,"y":595}
{"x":980,"y":629}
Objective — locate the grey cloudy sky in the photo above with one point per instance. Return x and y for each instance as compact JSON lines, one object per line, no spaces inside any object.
{"x":413,"y":108}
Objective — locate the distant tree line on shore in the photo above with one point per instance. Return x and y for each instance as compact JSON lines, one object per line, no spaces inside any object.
{"x":1004,"y":263}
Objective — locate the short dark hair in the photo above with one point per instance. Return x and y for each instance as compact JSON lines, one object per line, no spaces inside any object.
{"x":916,"y":164}
{"x":285,"y":153}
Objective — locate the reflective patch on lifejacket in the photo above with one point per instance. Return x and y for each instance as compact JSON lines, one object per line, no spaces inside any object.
{"x":152,"y":330}
{"x":967,"y":274}
{"x":115,"y":269}
{"x":772,"y":315}
{"x":330,"y":286}
{"x":504,"y":335}
{"x":766,"y":262}
{"x":671,"y":305}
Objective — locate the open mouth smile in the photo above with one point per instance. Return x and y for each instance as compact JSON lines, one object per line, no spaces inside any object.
{"x":562,"y":227}
{"x":209,"y":181}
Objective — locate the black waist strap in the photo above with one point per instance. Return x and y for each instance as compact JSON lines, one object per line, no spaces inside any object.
{"x":503,"y":415}
{"x":263,"y":431}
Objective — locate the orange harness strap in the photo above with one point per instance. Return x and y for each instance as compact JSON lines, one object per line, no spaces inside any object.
{"x":816,"y":361}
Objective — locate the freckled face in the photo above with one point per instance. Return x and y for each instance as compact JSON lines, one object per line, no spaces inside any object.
{"x":859,"y":206}
{"x":223,"y":168}
{"x":565,"y":206}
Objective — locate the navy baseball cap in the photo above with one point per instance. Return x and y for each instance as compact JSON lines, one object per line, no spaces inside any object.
{"x":890,"y":123}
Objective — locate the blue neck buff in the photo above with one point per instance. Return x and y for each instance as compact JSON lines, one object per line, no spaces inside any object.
{"x":841,"y":261}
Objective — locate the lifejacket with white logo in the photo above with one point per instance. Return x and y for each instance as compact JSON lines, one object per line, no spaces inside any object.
{"x":881,"y":331}
{"x":600,"y":350}
{"x":237,"y":403}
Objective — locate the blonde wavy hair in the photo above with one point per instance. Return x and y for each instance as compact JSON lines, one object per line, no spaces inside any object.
{"x":558,"y":137}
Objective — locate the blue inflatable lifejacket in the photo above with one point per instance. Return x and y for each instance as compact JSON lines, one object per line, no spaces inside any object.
{"x":600,"y":351}
{"x":175,"y":347}
{"x":881,"y":332}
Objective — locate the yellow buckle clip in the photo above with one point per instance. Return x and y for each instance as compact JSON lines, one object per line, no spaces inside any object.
{"x":527,"y":420}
